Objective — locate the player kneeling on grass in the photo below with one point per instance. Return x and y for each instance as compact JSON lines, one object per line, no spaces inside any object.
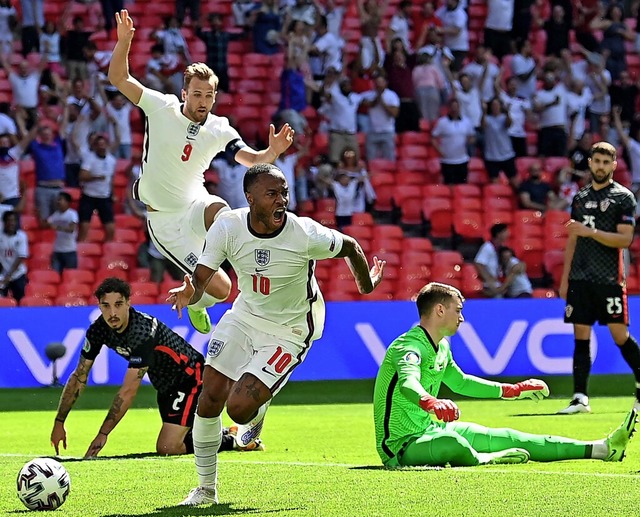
{"x":173,"y":365}
{"x":406,"y":391}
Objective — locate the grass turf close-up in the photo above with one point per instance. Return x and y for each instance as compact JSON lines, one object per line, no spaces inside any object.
{"x":320,"y":459}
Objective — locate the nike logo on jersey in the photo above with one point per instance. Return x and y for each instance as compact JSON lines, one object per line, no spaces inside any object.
{"x":259,"y":270}
{"x":171,"y":415}
{"x":264,"y":369}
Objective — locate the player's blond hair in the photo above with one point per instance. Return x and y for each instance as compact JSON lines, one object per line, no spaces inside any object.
{"x":604,"y":148}
{"x":200,"y":71}
{"x":435,"y":293}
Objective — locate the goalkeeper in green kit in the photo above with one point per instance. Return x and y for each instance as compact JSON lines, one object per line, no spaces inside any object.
{"x":406,"y":392}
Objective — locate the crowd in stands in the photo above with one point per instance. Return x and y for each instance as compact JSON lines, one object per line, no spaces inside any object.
{"x":449,"y":121}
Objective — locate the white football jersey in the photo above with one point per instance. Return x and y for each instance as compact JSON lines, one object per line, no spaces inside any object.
{"x":177,"y":152}
{"x":11,"y":247}
{"x":275,"y":272}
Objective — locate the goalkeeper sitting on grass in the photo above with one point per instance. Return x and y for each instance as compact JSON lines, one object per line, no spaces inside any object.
{"x":406,"y":393}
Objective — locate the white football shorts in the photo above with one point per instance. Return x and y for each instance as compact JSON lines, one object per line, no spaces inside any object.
{"x":180,"y":236}
{"x":268,"y":351}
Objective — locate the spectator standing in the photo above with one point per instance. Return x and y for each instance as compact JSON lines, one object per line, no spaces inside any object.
{"x":266,"y":25}
{"x":109,"y":10}
{"x":400,"y":26}
{"x":118,"y":111}
{"x":96,"y":179}
{"x":551,"y":104}
{"x":482,"y":73}
{"x":325,"y":52}
{"x":334,"y":14}
{"x":487,"y":261}
{"x":340,"y":106}
{"x":50,"y":47}
{"x":498,"y":150}
{"x":580,"y":152}
{"x":557,"y":29}
{"x":470,"y":107}
{"x":32,"y":23}
{"x":579,"y":99}
{"x":192,"y":6}
{"x":10,"y":172}
{"x":425,"y":20}
{"x":522,"y":19}
{"x":7,"y":124}
{"x":216,"y":41}
{"x":624,"y":93}
{"x":454,"y":29}
{"x":384,"y":106}
{"x":632,"y":146}
{"x":25,"y":84}
{"x":65,"y":222}
{"x":453,"y":133}
{"x":230,"y":174}
{"x":598,"y":81}
{"x":14,"y":250}
{"x":615,"y":33}
{"x":355,"y":169}
{"x":8,"y":16}
{"x":429,"y":86}
{"x":585,"y":11}
{"x":371,"y":49}
{"x":498,"y":25}
{"x":518,"y":109}
{"x":514,"y":271}
{"x":399,"y":71}
{"x":345,"y":190}
{"x":524,"y":68}
{"x":172,"y":40}
{"x":74,"y":40}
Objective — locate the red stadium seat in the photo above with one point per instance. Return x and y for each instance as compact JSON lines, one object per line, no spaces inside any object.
{"x":543,"y":292}
{"x":126,"y":235}
{"x":138,"y":299}
{"x":436,"y":190}
{"x":77,"y":276}
{"x":145,"y":288}
{"x":119,"y":249}
{"x":46,"y":276}
{"x":7,"y":302}
{"x":326,"y":218}
{"x":448,"y":257}
{"x":128,"y":221}
{"x":35,"y":301}
{"x":362,"y":219}
{"x":359,"y":232}
{"x":141,"y":274}
{"x":418,"y":244}
{"x":472,"y":286}
{"x":411,"y":211}
{"x":41,"y":290}
{"x":68,"y":301}
{"x":326,"y":205}
{"x":468,"y":225}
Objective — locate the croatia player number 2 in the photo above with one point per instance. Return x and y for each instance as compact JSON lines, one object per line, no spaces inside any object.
{"x":186,"y":152}
{"x":175,"y":406}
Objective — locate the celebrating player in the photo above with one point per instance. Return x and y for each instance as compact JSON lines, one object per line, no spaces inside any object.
{"x":278,"y":314}
{"x":406,"y":391}
{"x":601,"y":227}
{"x":174,"y":368}
{"x":180,"y":141}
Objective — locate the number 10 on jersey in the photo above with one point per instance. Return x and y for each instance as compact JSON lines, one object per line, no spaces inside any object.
{"x":261,"y":284}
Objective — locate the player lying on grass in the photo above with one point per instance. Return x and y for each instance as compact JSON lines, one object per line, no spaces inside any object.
{"x":406,"y":391}
{"x":173,"y":365}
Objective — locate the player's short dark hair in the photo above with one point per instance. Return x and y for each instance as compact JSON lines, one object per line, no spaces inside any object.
{"x":201,"y":71}
{"x":113,"y":285}
{"x":254,"y":172}
{"x":604,"y":148}
{"x":66,"y":196}
{"x":497,"y":229}
{"x":435,"y":293}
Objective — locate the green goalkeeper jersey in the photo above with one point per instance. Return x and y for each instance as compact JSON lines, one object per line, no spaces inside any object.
{"x":412,"y":367}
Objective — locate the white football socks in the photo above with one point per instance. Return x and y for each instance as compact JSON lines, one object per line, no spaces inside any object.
{"x":599,"y":450}
{"x":207,"y":436}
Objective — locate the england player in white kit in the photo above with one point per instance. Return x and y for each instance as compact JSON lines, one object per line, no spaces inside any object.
{"x":278,"y":314}
{"x":181,"y":139}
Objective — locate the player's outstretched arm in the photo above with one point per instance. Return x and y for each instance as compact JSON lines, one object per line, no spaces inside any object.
{"x":121,"y":403}
{"x":366,"y":280}
{"x":119,"y":75}
{"x":76,"y":383}
{"x":530,"y":389}
{"x":278,"y":143}
{"x":191,"y":290}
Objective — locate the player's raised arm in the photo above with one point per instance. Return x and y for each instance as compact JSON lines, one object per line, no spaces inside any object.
{"x":76,"y":383}
{"x":366,"y":280}
{"x":278,"y":143}
{"x":192,"y":289}
{"x":119,"y":66}
{"x":121,"y":403}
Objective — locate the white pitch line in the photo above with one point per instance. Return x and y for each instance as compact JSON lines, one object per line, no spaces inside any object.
{"x":461,"y":470}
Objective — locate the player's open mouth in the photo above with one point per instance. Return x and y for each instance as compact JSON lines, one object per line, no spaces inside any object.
{"x":278,"y":215}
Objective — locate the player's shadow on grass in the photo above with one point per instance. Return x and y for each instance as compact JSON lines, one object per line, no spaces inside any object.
{"x":216,"y":509}
{"x":555,"y":413}
{"x":132,"y":456}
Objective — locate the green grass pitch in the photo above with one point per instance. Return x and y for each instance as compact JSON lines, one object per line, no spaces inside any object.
{"x":320,"y":461}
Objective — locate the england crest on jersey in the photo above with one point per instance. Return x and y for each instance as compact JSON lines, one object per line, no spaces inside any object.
{"x":193,"y":129}
{"x":263,"y":257}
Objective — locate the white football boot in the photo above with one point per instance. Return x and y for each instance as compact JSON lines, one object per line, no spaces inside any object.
{"x":579,"y":404}
{"x":199,"y":496}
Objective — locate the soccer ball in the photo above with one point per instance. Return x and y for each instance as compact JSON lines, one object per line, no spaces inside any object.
{"x":43,"y":484}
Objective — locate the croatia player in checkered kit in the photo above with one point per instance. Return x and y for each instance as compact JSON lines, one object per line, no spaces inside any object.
{"x":173,"y":365}
{"x":181,"y":140}
{"x":273,"y":322}
{"x":593,"y":278}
